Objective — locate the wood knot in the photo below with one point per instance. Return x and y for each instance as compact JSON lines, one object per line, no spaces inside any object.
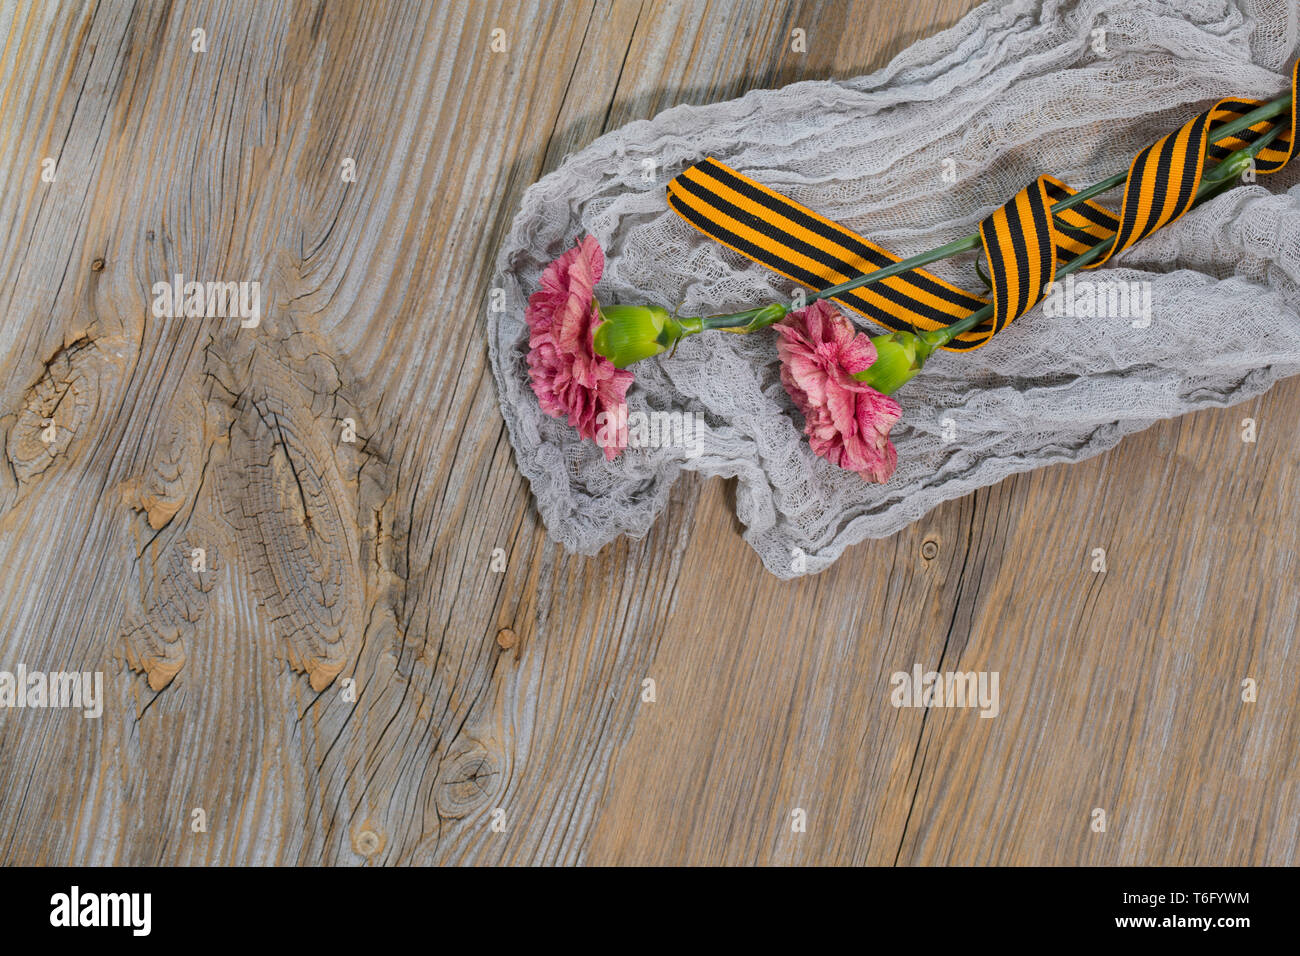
{"x":930,"y":548}
{"x":468,"y":783}
{"x":97,"y":265}
{"x":506,"y":638}
{"x":56,"y":408}
{"x":367,"y":842}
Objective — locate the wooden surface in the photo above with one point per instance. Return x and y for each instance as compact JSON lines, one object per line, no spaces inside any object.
{"x":521,"y":691}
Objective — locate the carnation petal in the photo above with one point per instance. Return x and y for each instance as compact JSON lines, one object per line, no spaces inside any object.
{"x":847,"y":422}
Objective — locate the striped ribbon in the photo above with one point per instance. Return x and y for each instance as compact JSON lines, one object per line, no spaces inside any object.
{"x":1021,"y":240}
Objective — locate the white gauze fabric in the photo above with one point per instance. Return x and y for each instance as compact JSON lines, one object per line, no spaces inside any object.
{"x":1012,"y":91}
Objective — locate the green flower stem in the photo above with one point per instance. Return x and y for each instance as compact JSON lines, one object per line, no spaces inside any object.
{"x":973,"y":242}
{"x":690,"y":324}
{"x":735,"y":322}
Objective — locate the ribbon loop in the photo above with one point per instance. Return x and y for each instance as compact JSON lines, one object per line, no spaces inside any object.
{"x":1020,"y":244}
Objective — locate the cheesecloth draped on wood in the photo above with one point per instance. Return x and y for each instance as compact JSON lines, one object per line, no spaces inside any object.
{"x":1012,"y":91}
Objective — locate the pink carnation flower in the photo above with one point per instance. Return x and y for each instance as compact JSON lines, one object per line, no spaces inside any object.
{"x":570,"y":378}
{"x":847,"y":422}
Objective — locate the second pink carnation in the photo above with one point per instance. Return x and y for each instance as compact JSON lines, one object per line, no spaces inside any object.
{"x":846,"y":421}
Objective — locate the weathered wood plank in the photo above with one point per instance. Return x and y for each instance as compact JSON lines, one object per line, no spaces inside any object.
{"x":327,"y":560}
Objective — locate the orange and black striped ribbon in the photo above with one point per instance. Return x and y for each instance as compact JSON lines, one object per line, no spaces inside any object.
{"x":1022,"y":242}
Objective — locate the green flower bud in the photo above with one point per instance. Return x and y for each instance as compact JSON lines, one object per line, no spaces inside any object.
{"x":899,"y":356}
{"x":630,"y":333}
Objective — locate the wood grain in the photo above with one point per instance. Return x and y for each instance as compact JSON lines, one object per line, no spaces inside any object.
{"x":515,"y":697}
